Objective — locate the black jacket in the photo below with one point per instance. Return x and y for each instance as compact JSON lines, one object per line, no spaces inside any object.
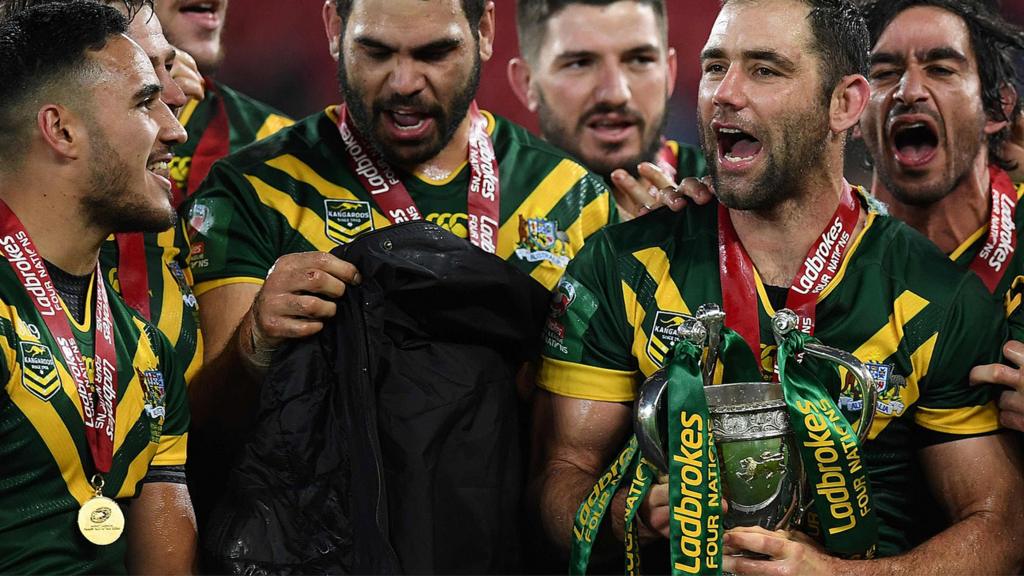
{"x":390,"y":442}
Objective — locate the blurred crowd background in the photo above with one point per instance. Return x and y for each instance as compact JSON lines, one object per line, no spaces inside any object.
{"x":277,"y":52}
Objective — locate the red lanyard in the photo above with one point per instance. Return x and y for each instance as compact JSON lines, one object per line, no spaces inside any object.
{"x":736,"y":270}
{"x":667,"y":160}
{"x":393,"y":197}
{"x":132,"y":275}
{"x":989,"y":264}
{"x":21,"y":254}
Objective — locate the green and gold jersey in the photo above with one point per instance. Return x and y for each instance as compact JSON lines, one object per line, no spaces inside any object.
{"x":1011,"y":286}
{"x":896,"y":303}
{"x":294,"y":192}
{"x":45,"y":462}
{"x":248,"y":121}
{"x":172,"y":305}
{"x":689,"y":160}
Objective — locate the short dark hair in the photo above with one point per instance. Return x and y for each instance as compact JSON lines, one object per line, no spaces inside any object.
{"x":473,"y":9}
{"x":131,"y":7}
{"x":994,"y":41}
{"x":532,"y":19}
{"x":840,"y":39}
{"x":44,"y":50}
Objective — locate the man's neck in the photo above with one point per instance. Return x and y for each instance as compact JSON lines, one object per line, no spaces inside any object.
{"x":451,"y":157}
{"x":949,"y":222}
{"x":53,"y":217}
{"x":778,"y":239}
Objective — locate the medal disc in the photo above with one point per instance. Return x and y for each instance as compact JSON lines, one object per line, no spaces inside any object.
{"x":101,"y":521}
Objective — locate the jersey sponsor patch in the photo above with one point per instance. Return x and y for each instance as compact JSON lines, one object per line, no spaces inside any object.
{"x":571,"y":307}
{"x":541,"y":240}
{"x":663,"y":335}
{"x":889,"y":385}
{"x":39,"y":370}
{"x":154,"y":397}
{"x":347,"y":219}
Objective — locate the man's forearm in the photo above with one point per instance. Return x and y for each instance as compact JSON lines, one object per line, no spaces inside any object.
{"x":226,"y":388}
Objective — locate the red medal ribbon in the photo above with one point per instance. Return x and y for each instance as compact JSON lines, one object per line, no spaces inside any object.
{"x":736,"y":270}
{"x":21,"y":254}
{"x":132,"y":275}
{"x":214,"y":144}
{"x":391,"y":195}
{"x":990,"y":263}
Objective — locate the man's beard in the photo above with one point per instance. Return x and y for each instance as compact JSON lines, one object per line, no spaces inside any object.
{"x":569,"y":139}
{"x":111,"y":205}
{"x":796,"y":151}
{"x":958,"y":168}
{"x":446,"y":117}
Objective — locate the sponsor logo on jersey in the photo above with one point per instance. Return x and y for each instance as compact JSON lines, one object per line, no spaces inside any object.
{"x":664,"y":335}
{"x":179,"y":169}
{"x":540,"y":240}
{"x":456,"y":223}
{"x":347,"y":219}
{"x":39,"y":370}
{"x":200,"y":218}
{"x":888,"y":384}
{"x":187,"y":297}
{"x":153,"y":397}
{"x":564,"y":294}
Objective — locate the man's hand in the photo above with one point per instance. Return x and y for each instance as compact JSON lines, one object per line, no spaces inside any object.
{"x":1013,"y":148}
{"x":654,"y":189}
{"x":1011,"y":401}
{"x":296,"y":298}
{"x":790,"y":553}
{"x":185,"y":73}
{"x":654,"y":511}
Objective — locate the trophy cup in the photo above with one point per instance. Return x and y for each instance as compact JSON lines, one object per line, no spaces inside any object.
{"x":763,"y":479}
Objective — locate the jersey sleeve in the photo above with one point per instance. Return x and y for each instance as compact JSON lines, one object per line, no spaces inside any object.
{"x":172,"y":449}
{"x":972,"y":335}
{"x":229,"y":233}
{"x":587,"y":347}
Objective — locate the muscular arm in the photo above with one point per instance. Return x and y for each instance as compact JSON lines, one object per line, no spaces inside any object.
{"x":979,"y":482}
{"x":574,"y":441}
{"x":161,"y":531}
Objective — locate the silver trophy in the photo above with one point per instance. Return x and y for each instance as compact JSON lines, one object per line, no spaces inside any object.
{"x":762,"y":477}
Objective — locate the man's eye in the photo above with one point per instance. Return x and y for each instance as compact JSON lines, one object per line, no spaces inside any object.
{"x":765,"y":72}
{"x":941,"y":71}
{"x":883,"y":74}
{"x":714,"y":69}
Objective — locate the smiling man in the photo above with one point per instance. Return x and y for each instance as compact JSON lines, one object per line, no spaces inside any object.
{"x":94,"y":405}
{"x":599,"y":75}
{"x":781,"y":87}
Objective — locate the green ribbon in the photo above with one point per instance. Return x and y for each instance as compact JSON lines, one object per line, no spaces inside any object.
{"x":643,"y":475}
{"x":591,"y":512}
{"x":831,"y":454}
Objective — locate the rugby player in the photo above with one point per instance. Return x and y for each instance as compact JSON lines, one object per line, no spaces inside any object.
{"x":95,"y":405}
{"x":938,"y":128}
{"x":782,"y":85}
{"x":599,"y":75}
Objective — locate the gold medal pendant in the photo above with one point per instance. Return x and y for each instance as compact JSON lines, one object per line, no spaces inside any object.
{"x":100,"y":519}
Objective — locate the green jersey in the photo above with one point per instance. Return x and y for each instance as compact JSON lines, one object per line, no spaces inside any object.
{"x":896,"y":303}
{"x":1011,"y":286}
{"x":46,"y":462}
{"x":295,"y":192}
{"x":688,"y":160}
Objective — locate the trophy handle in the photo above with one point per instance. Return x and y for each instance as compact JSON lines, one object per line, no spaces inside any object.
{"x":649,"y":403}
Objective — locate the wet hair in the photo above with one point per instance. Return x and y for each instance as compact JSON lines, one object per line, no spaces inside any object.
{"x":44,"y":54}
{"x":994,"y":41}
{"x":839,"y":36}
{"x":473,"y":9}
{"x":131,"y":7}
{"x":532,"y":19}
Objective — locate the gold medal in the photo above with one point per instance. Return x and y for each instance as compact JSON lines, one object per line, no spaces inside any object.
{"x":100,"y":519}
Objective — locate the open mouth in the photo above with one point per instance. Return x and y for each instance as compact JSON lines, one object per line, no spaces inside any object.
{"x":200,"y":7}
{"x":611,"y":126}
{"x":160,"y":167}
{"x":736,"y":146}
{"x":915,"y":142}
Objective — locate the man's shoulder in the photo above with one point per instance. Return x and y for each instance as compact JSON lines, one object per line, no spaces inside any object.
{"x":305,"y":140}
{"x":663,"y":233}
{"x":245,"y":104}
{"x":531,"y":156}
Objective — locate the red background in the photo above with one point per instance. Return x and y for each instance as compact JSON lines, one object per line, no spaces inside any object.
{"x":277,"y":52}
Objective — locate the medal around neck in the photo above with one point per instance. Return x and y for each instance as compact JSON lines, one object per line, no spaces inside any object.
{"x":100,"y":519}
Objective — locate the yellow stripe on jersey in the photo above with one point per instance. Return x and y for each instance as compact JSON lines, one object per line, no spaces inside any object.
{"x":592,"y":218}
{"x":920,"y":360}
{"x":172,"y":451}
{"x":966,"y":421}
{"x":667,"y":298}
{"x":43,"y":416}
{"x":540,"y":202}
{"x":300,"y":171}
{"x":273,"y":124}
{"x":171,"y":306}
{"x":204,"y":287}
{"x":303,"y":220}
{"x":1013,"y":296}
{"x":849,"y":256}
{"x":968,"y":242}
{"x":187,"y":111}
{"x":579,"y":381}
{"x":635,"y":315}
{"x":886,"y":340}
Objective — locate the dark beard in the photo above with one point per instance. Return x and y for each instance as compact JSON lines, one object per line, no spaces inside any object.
{"x":448,"y":120}
{"x":797,"y":152}
{"x":568,"y":140}
{"x":110,"y":204}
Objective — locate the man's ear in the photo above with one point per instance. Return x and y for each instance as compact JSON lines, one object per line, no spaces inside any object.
{"x":849,"y":100}
{"x":487,"y":32}
{"x":332,"y":27}
{"x":519,"y":78}
{"x":61,"y":131}
{"x":671,"y":61}
{"x":1007,"y":101}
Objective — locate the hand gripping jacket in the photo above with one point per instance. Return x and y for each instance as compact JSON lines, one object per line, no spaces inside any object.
{"x":390,"y":441}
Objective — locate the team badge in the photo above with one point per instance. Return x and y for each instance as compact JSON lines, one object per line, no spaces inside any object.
{"x":540,"y":239}
{"x":39,"y":371}
{"x":889,"y":386}
{"x":153,"y":398}
{"x":664,"y":335}
{"x":347,"y":219}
